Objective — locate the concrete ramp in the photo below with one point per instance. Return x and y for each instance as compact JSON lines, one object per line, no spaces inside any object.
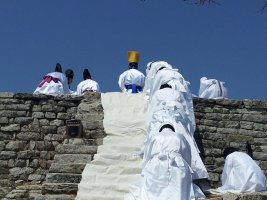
{"x":115,"y":167}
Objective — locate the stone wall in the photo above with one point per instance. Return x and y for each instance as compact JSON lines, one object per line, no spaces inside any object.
{"x":33,"y":129}
{"x":224,"y":123}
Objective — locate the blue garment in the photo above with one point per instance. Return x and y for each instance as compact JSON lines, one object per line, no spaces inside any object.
{"x":135,"y":88}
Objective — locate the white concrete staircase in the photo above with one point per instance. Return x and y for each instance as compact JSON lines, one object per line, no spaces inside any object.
{"x":115,"y":167}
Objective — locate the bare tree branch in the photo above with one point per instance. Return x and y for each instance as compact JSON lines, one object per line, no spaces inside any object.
{"x":203,"y":2}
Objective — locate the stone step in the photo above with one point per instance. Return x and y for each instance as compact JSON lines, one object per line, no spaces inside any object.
{"x":110,"y":159}
{"x":63,"y":178}
{"x":16,"y":194}
{"x":70,"y":158}
{"x":103,"y":196}
{"x":99,"y":188}
{"x":118,"y":169}
{"x":74,"y":168}
{"x":75,"y":149}
{"x":114,"y":179}
{"x":120,"y":156}
{"x":59,"y":188}
{"x":118,"y":148}
{"x":56,"y":197}
{"x":138,"y":140}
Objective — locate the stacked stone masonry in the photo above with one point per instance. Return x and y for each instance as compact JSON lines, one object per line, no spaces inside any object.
{"x":37,"y":158}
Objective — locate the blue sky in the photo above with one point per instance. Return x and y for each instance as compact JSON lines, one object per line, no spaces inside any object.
{"x":226,"y":42}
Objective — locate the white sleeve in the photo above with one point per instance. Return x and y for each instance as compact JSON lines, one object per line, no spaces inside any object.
{"x":79,"y":89}
{"x":121,"y":82}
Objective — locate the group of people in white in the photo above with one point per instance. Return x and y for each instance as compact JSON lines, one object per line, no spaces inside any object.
{"x":170,"y":155}
{"x":171,"y":160}
{"x":58,"y":83}
{"x":131,"y":81}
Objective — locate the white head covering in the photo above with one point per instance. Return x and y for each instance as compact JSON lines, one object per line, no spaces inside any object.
{"x":151,"y":71}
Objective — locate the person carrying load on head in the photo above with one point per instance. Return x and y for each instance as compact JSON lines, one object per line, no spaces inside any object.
{"x":132,"y":80}
{"x":87,"y":85}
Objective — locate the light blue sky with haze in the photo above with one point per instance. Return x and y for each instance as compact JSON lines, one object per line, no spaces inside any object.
{"x":227,"y":42}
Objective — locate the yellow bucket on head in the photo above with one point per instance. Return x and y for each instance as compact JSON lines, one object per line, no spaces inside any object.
{"x":133,"y":56}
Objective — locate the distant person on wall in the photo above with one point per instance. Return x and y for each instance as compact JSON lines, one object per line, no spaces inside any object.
{"x":87,"y":85}
{"x":54,"y":83}
{"x":241,"y":173}
{"x":212,"y":89}
{"x":132,"y":80}
{"x":70,"y":75}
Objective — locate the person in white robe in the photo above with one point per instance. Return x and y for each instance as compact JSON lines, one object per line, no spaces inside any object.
{"x":132,"y":80}
{"x":167,"y":173}
{"x":87,"y":85}
{"x":241,"y":173}
{"x":151,"y":71}
{"x":177,"y":82}
{"x":167,"y":105}
{"x":54,"y":83}
{"x":212,"y":89}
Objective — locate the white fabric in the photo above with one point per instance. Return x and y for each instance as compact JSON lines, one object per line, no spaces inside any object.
{"x":242,"y":174}
{"x":52,"y":88}
{"x":197,"y":165}
{"x":178,"y":83}
{"x":131,"y":76}
{"x":167,"y":174}
{"x":212,"y":89}
{"x":115,"y":167}
{"x":89,"y":85}
{"x":151,"y":71}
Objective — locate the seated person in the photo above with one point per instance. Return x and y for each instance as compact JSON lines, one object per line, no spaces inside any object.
{"x":70,"y":74}
{"x":54,"y":83}
{"x":167,"y":173}
{"x":132,"y":80}
{"x":212,"y":89}
{"x":241,"y":173}
{"x":87,"y":85}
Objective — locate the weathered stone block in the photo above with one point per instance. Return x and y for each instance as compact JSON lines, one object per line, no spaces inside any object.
{"x":26,"y":136}
{"x":255,"y":118}
{"x":49,"y":129}
{"x":48,"y":155}
{"x":50,"y":115}
{"x":260,"y":156}
{"x":28,"y":154}
{"x":17,"y":171}
{"x":57,"y":122}
{"x":2,"y":145}
{"x":15,"y":145}
{"x":38,"y":115}
{"x":11,"y":128}
{"x":47,"y":108}
{"x":23,"y":120}
{"x":76,"y":149}
{"x":3,"y":120}
{"x":64,"y":116}
{"x":6,"y":155}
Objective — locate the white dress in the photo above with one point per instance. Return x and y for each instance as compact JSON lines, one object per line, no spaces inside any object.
{"x":168,"y":106}
{"x":212,"y":89}
{"x":54,"y":83}
{"x":87,"y":85}
{"x":130,"y":79}
{"x":167,"y":174}
{"x":242,"y":174}
{"x":178,"y":83}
